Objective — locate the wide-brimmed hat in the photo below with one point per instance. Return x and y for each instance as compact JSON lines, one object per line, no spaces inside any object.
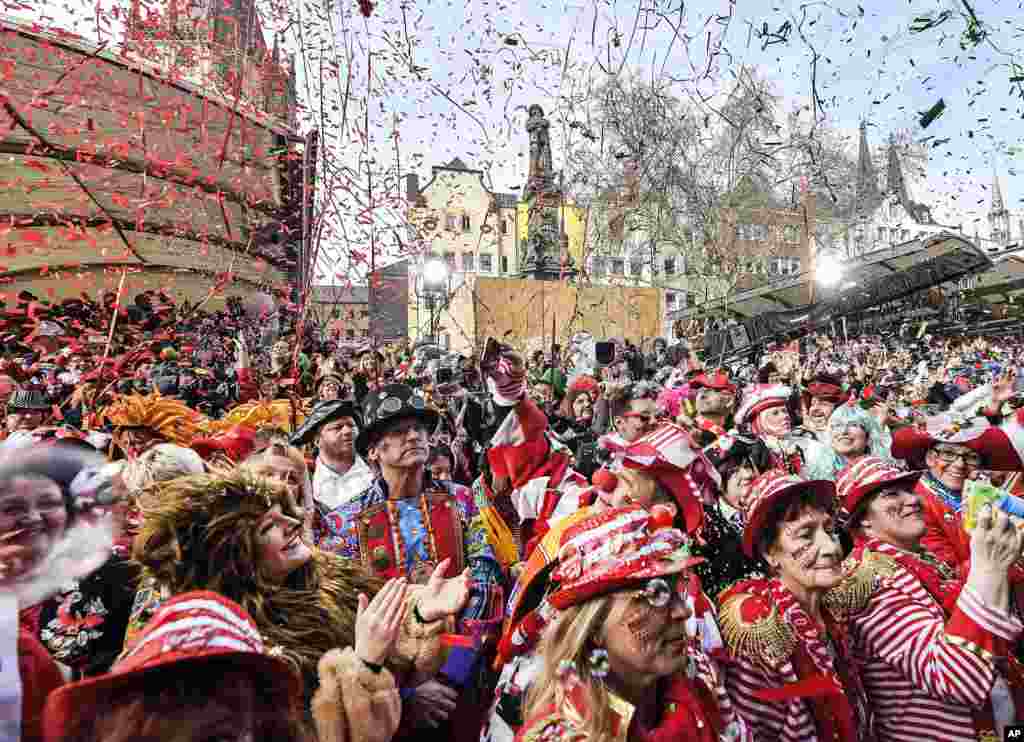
{"x":718,"y":380}
{"x":864,"y":477}
{"x":825,"y":386}
{"x":321,"y":415}
{"x":1000,"y":447}
{"x":388,"y":404}
{"x":28,"y":399}
{"x":762,"y":397}
{"x":770,"y":489}
{"x":615,"y":549}
{"x":190,"y":629}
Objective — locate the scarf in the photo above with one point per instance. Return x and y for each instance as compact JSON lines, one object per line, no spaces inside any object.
{"x":951,"y":497}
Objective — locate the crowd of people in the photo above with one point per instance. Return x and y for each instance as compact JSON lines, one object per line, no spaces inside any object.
{"x":218,"y":527}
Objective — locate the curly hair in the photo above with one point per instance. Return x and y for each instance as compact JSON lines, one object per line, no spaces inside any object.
{"x":199,"y":533}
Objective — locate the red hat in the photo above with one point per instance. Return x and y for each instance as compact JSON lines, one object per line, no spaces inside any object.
{"x":825,"y":390}
{"x":718,"y":380}
{"x":767,"y":491}
{"x":762,"y":397}
{"x":189,"y":629}
{"x":236,"y":443}
{"x":665,"y":454}
{"x":613,"y":549}
{"x":866,"y":476}
{"x":1000,"y":447}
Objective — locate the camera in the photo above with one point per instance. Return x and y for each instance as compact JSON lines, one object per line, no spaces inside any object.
{"x":604,"y":353}
{"x":444,"y":375}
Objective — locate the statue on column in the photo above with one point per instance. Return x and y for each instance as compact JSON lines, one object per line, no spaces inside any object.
{"x":541,"y":167}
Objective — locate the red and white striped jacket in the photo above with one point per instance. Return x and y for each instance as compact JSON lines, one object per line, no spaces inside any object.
{"x":789,"y":681}
{"x":929,"y":672}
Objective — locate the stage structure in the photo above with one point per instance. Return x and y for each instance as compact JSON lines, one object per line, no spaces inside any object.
{"x":916,"y":281}
{"x":140,"y":166}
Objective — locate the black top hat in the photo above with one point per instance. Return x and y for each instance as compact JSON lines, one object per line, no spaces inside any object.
{"x":323,"y":413}
{"x":387,"y":405}
{"x":732,"y":450}
{"x":28,"y":399}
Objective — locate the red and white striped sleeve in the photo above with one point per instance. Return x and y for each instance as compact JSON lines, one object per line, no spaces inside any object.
{"x":949,"y":660}
{"x":790,"y":721}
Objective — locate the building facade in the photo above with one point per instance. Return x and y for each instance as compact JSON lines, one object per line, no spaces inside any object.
{"x":475,"y":231}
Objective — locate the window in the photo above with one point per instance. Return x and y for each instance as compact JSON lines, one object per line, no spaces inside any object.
{"x":794,"y":265}
{"x":449,"y":258}
{"x":617,"y":266}
{"x":597,"y":267}
{"x":636,"y":267}
{"x":467,"y":261}
{"x":465,"y":223}
{"x":905,"y":235}
{"x":450,"y":222}
{"x":503,"y":226}
{"x":790,"y":233}
{"x":670,"y":300}
{"x":504,"y":263}
{"x":881,"y":234}
{"x":446,"y":341}
{"x":670,"y":266}
{"x":894,"y":210}
{"x":486,"y":262}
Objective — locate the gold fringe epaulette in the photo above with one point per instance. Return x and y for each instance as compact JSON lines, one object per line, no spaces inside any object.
{"x":753,"y":629}
{"x":863,"y":577}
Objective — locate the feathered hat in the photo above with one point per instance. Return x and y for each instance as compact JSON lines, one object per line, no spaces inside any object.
{"x":171,"y":418}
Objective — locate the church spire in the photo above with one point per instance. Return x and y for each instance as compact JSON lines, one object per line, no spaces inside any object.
{"x":867,"y":181}
{"x":998,"y":216}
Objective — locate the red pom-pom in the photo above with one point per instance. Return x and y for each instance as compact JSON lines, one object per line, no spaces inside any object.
{"x":605,"y":480}
{"x":754,"y":608}
{"x":662,"y":516}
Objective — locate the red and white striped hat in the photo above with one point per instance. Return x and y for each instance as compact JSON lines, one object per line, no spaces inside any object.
{"x":771,"y":488}
{"x":866,"y":476}
{"x":762,"y":397}
{"x":614,"y":549}
{"x":191,"y":628}
{"x":666,"y":455}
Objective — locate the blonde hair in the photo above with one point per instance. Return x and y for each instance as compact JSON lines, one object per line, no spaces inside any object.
{"x":161,"y":463}
{"x":570,"y":637}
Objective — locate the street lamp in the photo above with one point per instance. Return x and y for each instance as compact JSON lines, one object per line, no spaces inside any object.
{"x":828,"y":270}
{"x":434,"y":278}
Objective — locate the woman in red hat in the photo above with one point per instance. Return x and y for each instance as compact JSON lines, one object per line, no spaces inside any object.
{"x":792,"y":674}
{"x":935,"y":651}
{"x":618,"y":662}
{"x":199,"y":671}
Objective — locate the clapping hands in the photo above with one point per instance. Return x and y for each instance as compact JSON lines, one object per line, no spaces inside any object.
{"x":378,"y":621}
{"x":442,"y":597}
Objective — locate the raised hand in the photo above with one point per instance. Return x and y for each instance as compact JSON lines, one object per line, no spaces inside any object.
{"x":441,"y":597}
{"x":379,"y":620}
{"x":995,"y":544}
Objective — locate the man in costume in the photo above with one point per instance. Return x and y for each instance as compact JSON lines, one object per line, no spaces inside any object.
{"x":340,"y":474}
{"x":406,"y":524}
{"x":934,"y":648}
{"x":716,"y":400}
{"x":819,"y":399}
{"x":140,"y":422}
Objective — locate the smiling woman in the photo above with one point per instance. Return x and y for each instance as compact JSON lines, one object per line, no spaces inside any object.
{"x":791,"y":672}
{"x":241,"y":536}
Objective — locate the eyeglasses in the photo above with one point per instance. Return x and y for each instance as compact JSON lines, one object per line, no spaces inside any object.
{"x":949,"y":456}
{"x":658,"y":592}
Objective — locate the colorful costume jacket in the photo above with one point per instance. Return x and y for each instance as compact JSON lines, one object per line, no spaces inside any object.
{"x":411,"y":536}
{"x":945,"y":536}
{"x":696,"y":710}
{"x":787,"y":679}
{"x":931,"y":651}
